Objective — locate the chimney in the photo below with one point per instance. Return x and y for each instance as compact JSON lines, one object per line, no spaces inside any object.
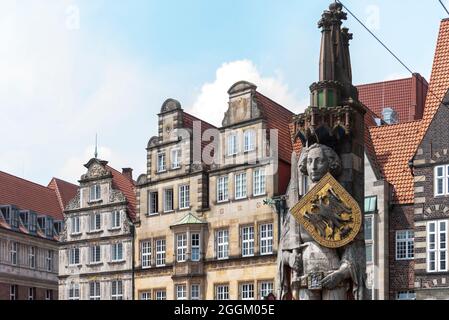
{"x":128,"y":172}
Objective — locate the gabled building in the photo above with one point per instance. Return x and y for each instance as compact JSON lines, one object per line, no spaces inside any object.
{"x":96,"y":254}
{"x":31,"y":221}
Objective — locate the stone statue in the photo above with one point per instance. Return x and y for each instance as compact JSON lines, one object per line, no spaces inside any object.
{"x":307,"y":270}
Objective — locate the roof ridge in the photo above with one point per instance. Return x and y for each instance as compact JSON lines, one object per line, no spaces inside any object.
{"x":397,"y":124}
{"x":257,"y":92}
{"x":28,"y":181}
{"x":386,"y":81}
{"x":188,"y":113}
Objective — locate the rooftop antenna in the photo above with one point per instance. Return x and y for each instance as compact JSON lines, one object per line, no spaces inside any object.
{"x":447,"y":11}
{"x":96,"y":146}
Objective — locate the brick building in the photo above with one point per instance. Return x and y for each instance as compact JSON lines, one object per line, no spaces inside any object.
{"x":30,"y":224}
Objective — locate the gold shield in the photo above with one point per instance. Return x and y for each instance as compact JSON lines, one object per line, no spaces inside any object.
{"x":329,"y":214}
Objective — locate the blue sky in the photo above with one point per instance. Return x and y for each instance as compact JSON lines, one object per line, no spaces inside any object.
{"x":69,"y":69}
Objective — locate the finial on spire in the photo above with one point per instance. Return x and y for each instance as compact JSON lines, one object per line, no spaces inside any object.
{"x":96,"y":146}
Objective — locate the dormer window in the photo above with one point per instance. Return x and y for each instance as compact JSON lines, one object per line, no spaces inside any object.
{"x":249,"y":140}
{"x":176,"y":158}
{"x":161,"y":166}
{"x":95,"y":192}
{"x":232,"y":144}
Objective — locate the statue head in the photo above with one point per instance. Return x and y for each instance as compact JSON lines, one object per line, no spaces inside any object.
{"x":317,"y":160}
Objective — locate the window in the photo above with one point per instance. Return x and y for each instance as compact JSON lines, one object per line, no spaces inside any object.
{"x":368,"y":228}
{"x":74,"y":256}
{"x":13,"y":253}
{"x":184,"y":197}
{"x":13,"y":292}
{"x":266,"y":239}
{"x":405,"y":245}
{"x":222,"y":241}
{"x":145,"y":296}
{"x":145,"y":247}
{"x":437,"y":246}
{"x":181,"y":292}
{"x":117,"y":290}
{"x":222,"y":292}
{"x":240,"y":186}
{"x":74,"y":291}
{"x":117,"y":252}
{"x":266,"y":288}
{"x":161,"y":167}
{"x":259,"y":182}
{"x":232,"y":144}
{"x":76,"y":225}
{"x":168,"y":200}
{"x":160,"y":252}
{"x":369,"y":253}
{"x":196,"y":246}
{"x":181,"y":247}
{"x":247,"y":291}
{"x":222,"y":189}
{"x":49,"y":295}
{"x":176,"y":159}
{"x":161,"y":295}
{"x":49,"y":261}
{"x":370,"y":204}
{"x":442,"y":180}
{"x":95,"y":192}
{"x":94,"y":290}
{"x":250,"y":140}
{"x":31,"y":293}
{"x":248,"y":241}
{"x":32,"y":257}
{"x":153,"y":203}
{"x":95,"y":222}
{"x":95,"y":254}
{"x":195,"y":292}
{"x":406,"y":295}
{"x":116,"y":219}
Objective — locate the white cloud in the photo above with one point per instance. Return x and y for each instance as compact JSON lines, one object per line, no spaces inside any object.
{"x":211,"y":103}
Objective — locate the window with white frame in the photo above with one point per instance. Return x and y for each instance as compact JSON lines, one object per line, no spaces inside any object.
{"x":232,"y":144}
{"x":13,"y":253}
{"x":95,"y":192}
{"x":259,"y":182}
{"x":161,"y":164}
{"x":49,"y":261}
{"x":247,"y":291}
{"x":184,"y":197}
{"x":250,"y":140}
{"x":76,"y":224}
{"x":153,"y":199}
{"x":437,"y":237}
{"x":176,"y":158}
{"x":405,"y":246}
{"x":95,"y":254}
{"x":168,"y":200}
{"x":95,"y":221}
{"x":117,"y":252}
{"x":222,"y":292}
{"x":442,"y":180}
{"x":248,"y":241}
{"x":160,"y":253}
{"x":13,"y":292}
{"x":222,"y":240}
{"x":266,"y":239}
{"x":32,"y":257}
{"x":74,"y":256}
{"x":74,"y":291}
{"x":240,"y":186}
{"x":48,"y":295}
{"x":195,"y":246}
{"x":195,"y":293}
{"x":181,"y":292}
{"x":222,"y":189}
{"x":266,"y":287}
{"x":116,"y":219}
{"x":117,"y":290}
{"x":181,"y":247}
{"x":94,"y":290}
{"x":161,"y":295}
{"x":145,"y":295}
{"x":406,"y":295}
{"x":31,"y":293}
{"x":145,"y":249}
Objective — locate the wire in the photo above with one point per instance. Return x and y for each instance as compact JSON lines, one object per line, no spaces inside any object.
{"x":441,"y":2}
{"x":390,"y":51}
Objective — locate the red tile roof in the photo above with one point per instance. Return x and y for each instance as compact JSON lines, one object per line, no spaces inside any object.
{"x":405,"y":96}
{"x":28,"y":195}
{"x":127,"y":186}
{"x":188,"y":123}
{"x":65,"y":191}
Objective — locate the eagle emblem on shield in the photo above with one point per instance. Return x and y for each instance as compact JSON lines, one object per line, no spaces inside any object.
{"x":329,"y":214}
